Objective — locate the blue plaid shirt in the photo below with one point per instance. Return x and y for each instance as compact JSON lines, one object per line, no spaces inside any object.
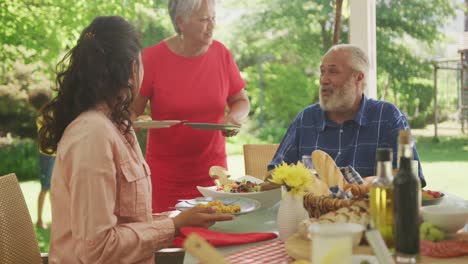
{"x":354,"y":143}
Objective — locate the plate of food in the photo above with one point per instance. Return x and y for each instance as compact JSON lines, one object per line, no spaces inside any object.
{"x":211,"y":126}
{"x":232,"y":205}
{"x":245,"y":187}
{"x":430,"y":197}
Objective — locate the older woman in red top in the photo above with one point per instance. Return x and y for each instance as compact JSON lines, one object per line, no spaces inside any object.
{"x":190,"y":77}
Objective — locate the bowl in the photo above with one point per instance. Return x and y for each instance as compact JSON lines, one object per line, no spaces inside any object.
{"x":449,"y":218}
{"x":266,"y":198}
{"x":431,"y":200}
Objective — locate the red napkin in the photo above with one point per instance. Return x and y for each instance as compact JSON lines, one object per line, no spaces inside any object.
{"x":220,"y":239}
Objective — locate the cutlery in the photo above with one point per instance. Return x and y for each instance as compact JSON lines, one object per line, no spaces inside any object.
{"x":377,"y":243}
{"x":207,"y":199}
{"x":198,"y":199}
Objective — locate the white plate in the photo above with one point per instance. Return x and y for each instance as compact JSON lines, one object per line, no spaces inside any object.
{"x":209,"y":126}
{"x":266,"y":198}
{"x":155,"y":123}
{"x":246,"y":205}
{"x":358,"y":259}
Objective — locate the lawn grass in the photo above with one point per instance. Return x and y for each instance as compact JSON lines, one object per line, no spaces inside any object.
{"x":445,"y":166}
{"x":445,"y":163}
{"x":448,"y":149}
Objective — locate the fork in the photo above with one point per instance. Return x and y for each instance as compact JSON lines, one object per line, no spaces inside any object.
{"x":198,"y":199}
{"x":206,"y":199}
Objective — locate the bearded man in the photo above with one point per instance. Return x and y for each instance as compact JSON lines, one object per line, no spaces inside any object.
{"x":345,"y":123}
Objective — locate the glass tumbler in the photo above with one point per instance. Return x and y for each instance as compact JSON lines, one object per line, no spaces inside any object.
{"x":307,"y":161}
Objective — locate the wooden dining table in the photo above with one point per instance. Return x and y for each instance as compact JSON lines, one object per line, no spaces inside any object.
{"x":265,"y":221}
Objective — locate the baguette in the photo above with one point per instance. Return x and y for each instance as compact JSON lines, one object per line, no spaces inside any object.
{"x":327,"y":170}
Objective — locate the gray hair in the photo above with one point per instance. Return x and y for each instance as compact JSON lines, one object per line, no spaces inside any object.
{"x":185,"y":9}
{"x":358,"y":60}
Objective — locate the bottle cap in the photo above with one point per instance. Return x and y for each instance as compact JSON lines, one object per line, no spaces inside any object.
{"x":384,"y":154}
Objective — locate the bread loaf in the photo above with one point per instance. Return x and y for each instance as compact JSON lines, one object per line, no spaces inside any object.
{"x":327,"y":170}
{"x":358,"y":190}
{"x":357,"y":213}
{"x":319,"y":205}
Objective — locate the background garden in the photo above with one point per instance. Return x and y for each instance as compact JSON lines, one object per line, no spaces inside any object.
{"x":277,"y":45}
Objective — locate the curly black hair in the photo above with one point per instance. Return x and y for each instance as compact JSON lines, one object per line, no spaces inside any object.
{"x":95,"y":71}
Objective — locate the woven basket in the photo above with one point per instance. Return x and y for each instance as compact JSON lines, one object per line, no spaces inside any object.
{"x":318,"y":205}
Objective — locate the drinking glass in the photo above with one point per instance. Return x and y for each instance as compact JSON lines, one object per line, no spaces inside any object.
{"x":307,"y":161}
{"x":333,"y":243}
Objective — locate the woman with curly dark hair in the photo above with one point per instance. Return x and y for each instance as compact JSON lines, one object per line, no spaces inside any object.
{"x":101,"y":190}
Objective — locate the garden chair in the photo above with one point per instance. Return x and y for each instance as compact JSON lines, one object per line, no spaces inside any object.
{"x":18,"y":242}
{"x":257,"y":157}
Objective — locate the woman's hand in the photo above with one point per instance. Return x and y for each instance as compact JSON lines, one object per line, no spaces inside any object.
{"x":230,"y":120}
{"x":230,"y":133}
{"x":199,"y":217}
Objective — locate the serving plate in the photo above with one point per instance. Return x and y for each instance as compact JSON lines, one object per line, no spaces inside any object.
{"x":266,"y":198}
{"x":155,"y":123}
{"x":246,"y":205}
{"x":211,"y":126}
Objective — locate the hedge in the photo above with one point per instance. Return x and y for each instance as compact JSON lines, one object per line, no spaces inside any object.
{"x":21,"y":157}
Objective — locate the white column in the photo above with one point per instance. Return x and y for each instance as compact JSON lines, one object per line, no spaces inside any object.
{"x":362,"y":34}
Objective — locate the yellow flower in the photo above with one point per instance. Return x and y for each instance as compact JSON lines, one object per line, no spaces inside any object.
{"x":296,"y":178}
{"x":278,"y":174}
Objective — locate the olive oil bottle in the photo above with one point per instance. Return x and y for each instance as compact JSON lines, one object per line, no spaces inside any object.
{"x":381,"y":197}
{"x":406,"y":204}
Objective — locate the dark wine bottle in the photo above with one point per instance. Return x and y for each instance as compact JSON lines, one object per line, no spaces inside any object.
{"x":406,"y":197}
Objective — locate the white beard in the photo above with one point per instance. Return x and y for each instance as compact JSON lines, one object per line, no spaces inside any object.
{"x":341,"y":100}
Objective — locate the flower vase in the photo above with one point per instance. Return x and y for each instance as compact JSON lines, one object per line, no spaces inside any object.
{"x":290,"y":213}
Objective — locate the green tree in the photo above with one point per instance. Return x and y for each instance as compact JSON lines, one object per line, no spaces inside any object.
{"x":403,"y":26}
{"x":41,"y":30}
{"x":34,"y":35}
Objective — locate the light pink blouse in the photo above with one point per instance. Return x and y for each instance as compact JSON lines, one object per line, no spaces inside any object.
{"x":101,"y":197}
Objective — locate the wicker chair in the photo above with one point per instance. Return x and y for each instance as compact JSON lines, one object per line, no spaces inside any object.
{"x":18,"y":242}
{"x":257,"y":157}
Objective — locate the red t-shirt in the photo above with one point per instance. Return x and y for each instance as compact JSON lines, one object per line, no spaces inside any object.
{"x":193,"y":89}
